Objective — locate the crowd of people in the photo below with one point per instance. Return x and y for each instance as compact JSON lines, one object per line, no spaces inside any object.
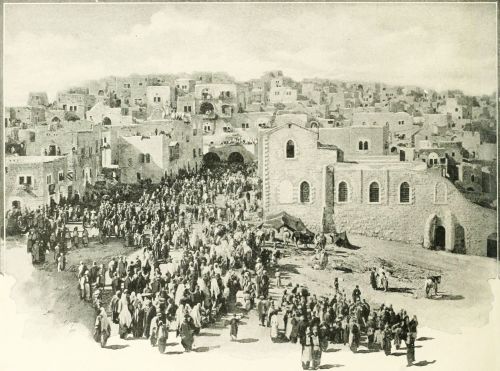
{"x":314,"y":322}
{"x":154,"y":295}
{"x":200,"y":217}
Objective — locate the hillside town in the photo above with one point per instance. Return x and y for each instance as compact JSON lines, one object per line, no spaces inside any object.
{"x":369,"y":143}
{"x":181,"y":203}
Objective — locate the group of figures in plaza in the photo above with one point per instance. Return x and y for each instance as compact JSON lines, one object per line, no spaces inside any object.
{"x":197,"y":258}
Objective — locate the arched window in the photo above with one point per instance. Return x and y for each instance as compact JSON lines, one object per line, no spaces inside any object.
{"x":343,"y":192}
{"x":374,"y":192}
{"x":365,"y":146}
{"x":304,"y":192}
{"x":440,"y":193}
{"x":360,"y":145}
{"x":290,"y":149}
{"x":404,"y":193}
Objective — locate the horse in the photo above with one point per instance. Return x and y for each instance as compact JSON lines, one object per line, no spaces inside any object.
{"x":431,"y":283}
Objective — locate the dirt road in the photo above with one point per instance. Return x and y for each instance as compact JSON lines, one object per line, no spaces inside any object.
{"x":47,"y":326}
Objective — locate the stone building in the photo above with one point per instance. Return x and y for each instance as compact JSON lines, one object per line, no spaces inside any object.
{"x":32,"y":181}
{"x":357,"y":141}
{"x":37,"y":99}
{"x":161,"y":149}
{"x":397,"y":122}
{"x":437,"y":124}
{"x":101,"y":113}
{"x":407,"y":202}
{"x":185,"y":85}
{"x":26,"y":116}
{"x":77,"y":103}
{"x":186,"y":103}
{"x":159,"y":101}
{"x":79,"y":143}
{"x":290,"y":180}
{"x":130,"y":91}
{"x":220,"y":99}
{"x":282,"y":94}
{"x":307,"y":176}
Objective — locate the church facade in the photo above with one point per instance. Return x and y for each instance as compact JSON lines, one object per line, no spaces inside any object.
{"x":304,"y":173}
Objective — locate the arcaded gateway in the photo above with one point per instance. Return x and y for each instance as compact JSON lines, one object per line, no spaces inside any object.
{"x":342,"y":179}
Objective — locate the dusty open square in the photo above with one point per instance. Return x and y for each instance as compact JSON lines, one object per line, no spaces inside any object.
{"x":456,"y":331}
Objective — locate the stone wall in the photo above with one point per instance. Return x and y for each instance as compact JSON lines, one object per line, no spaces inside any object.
{"x":348,"y":138}
{"x":37,"y":194}
{"x":430,"y":194}
{"x":282,"y":177}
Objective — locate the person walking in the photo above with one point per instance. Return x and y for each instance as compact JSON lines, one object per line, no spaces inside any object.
{"x":234,"y":324}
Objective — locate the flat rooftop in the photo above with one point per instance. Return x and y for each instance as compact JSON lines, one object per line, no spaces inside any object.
{"x":30,"y":159}
{"x":378,"y":164}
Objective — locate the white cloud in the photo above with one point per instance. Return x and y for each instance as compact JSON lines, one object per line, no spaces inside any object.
{"x":390,"y":43}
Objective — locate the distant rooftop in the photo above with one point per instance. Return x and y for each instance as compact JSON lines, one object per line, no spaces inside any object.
{"x":381,"y":162}
{"x":30,"y":159}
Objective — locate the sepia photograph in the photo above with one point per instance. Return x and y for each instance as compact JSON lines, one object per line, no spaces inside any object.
{"x":249,"y":186}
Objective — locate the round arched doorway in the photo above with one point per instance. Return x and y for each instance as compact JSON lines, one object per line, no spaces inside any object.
{"x":211,"y":158}
{"x":235,"y":157}
{"x":440,"y":238}
{"x":206,"y":107}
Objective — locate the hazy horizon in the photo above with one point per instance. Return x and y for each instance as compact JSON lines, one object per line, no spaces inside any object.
{"x":448,"y":46}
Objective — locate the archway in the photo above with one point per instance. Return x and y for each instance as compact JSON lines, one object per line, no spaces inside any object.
{"x":206,"y":107}
{"x":235,"y":157}
{"x":106,"y":121}
{"x":211,"y":158}
{"x":440,"y":237}
{"x":459,"y":239}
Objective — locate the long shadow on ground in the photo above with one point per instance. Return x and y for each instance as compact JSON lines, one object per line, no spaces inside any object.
{"x":328,"y":366}
{"x":424,"y":363}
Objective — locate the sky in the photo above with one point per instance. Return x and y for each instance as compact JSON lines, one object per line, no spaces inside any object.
{"x":50,"y":47}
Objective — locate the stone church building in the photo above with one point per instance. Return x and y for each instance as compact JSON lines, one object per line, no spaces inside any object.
{"x":341,"y":179}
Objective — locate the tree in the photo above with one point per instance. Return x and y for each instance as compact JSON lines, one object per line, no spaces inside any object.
{"x":71,"y":116}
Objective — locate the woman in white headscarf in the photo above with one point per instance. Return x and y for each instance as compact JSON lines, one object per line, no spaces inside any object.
{"x":179,"y":315}
{"x":196,"y":316}
{"x":124,"y":318}
{"x":214,"y":287}
{"x":179,"y":294}
{"x":103,"y":327}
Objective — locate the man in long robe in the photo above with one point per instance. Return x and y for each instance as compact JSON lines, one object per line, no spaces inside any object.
{"x":113,"y":306}
{"x":186,"y":334}
{"x":149,"y":314}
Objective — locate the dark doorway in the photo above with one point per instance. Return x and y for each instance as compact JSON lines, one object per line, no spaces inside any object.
{"x":138,"y":176}
{"x":52,"y":150}
{"x":206,"y":107}
{"x":459,"y":239}
{"x":402,"y":156}
{"x":16,"y":204}
{"x":440,"y":238}
{"x":211,"y":158}
{"x":492,"y":246}
{"x":235,"y":157}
